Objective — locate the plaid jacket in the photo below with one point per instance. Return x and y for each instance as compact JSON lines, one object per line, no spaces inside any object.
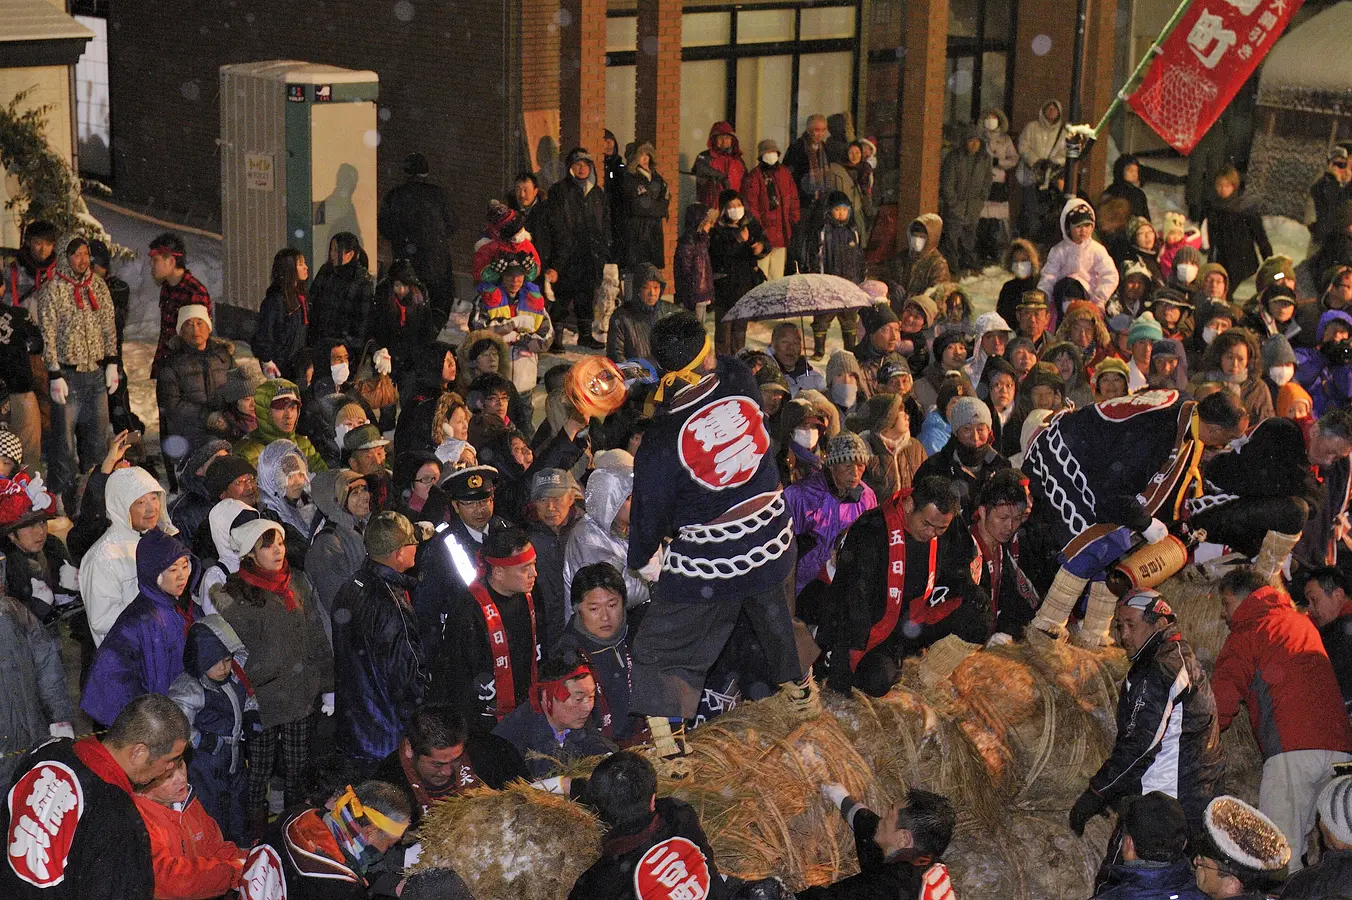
{"x":173,"y":297}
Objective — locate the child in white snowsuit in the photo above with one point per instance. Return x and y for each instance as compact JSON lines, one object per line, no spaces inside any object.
{"x":1079,"y":256}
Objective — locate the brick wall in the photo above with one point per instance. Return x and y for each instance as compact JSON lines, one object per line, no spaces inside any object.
{"x":539,"y":54}
{"x":657,"y":103}
{"x":582,"y":74}
{"x":445,"y":90}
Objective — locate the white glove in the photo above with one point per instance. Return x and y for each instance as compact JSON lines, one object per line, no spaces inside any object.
{"x":512,"y":337}
{"x":1155,"y":532}
{"x":42,"y":591}
{"x":270,"y":370}
{"x":382,"y":361}
{"x":111,"y":378}
{"x":999,"y":639}
{"x":59,"y":390}
{"x":559,"y":784}
{"x":69,"y":577}
{"x":36,"y":493}
{"x":326,"y":703}
{"x":524,"y":322}
{"x":834,"y":793}
{"x":61,"y":729}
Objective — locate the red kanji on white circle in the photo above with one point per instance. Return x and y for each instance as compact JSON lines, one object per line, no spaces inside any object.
{"x":45,"y":806}
{"x":673,"y":869}
{"x":722,"y":445}
{"x":1119,"y":409}
{"x":263,"y":877}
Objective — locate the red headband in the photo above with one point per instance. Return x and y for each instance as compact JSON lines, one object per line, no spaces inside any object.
{"x":165,"y":251}
{"x":506,"y":562}
{"x":558,"y":688}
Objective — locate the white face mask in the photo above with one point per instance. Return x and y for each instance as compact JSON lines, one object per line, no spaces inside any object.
{"x":339,"y":371}
{"x":992,"y":123}
{"x":805,"y":437}
{"x":918,"y":242}
{"x":1023,"y":268}
{"x":770,"y":158}
{"x":1186,"y":272}
{"x":844,"y":394}
{"x":735,"y":213}
{"x":1280,"y":375}
{"x":1209,"y":334}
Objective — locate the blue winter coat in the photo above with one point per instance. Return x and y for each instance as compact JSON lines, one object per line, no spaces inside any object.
{"x":143,"y":652}
{"x":935,"y":432}
{"x":1329,"y":382}
{"x":1151,"y":881}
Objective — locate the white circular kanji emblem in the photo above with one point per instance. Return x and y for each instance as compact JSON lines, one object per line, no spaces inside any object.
{"x":45,"y":806}
{"x":722,"y":445}
{"x":1119,"y":409}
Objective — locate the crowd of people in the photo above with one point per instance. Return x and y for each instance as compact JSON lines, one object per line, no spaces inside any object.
{"x":370,"y":570}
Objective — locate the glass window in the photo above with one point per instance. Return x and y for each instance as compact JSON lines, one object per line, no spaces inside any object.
{"x":827,"y":22}
{"x":958,"y":90}
{"x":993,"y":71}
{"x":763,"y":88}
{"x":999,"y":15}
{"x":824,"y":81}
{"x":91,"y":82}
{"x":760,"y":25}
{"x":962,"y":17}
{"x":620,"y":102}
{"x":621,"y":34}
{"x":705,"y":29}
{"x":704,"y":86}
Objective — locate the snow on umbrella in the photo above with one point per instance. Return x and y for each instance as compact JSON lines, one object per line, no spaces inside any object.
{"x":799,"y":295}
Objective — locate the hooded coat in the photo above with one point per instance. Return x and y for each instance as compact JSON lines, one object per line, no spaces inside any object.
{"x":108,"y":568}
{"x":1132,"y":193}
{"x":918,"y":272}
{"x":646,"y":203}
{"x":579,"y":233}
{"x":818,"y":511}
{"x":1088,"y":263}
{"x":719,"y":170}
{"x":252,"y":446}
{"x":1234,"y":227}
{"x":612,"y":665}
{"x":592,"y":541}
{"x":32,"y":681}
{"x":834,"y":248}
{"x":219,"y":520}
{"x":297,"y":519}
{"x":964,"y":180}
{"x":1043,"y":140}
{"x":1004,"y":157}
{"x":1253,"y":391}
{"x":193,"y":505}
{"x":143,"y":651}
{"x":771,"y":196}
{"x":76,"y":316}
{"x":381,"y":675}
{"x":1012,"y":291}
{"x":1329,"y":381}
{"x":337,"y":548}
{"x":694,"y":270}
{"x":215,"y":708}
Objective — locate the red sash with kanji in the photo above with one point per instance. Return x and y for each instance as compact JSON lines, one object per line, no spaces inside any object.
{"x":504,"y":684}
{"x":895,"y":519}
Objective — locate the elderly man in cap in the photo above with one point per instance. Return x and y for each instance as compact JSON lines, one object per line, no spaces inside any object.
{"x":550,"y":517}
{"x":364,"y":449}
{"x":882,"y":336}
{"x":825,"y":504}
{"x":380,"y":673}
{"x":1241,"y":851}
{"x":1035,"y":319}
{"x":194,"y":368}
{"x":1168,"y":737}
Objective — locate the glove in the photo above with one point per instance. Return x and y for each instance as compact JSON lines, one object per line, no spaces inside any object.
{"x":835,"y":794}
{"x":1086,"y":807}
{"x":1155,"y":532}
{"x":42,"y":591}
{"x":524,"y":322}
{"x":36,"y":493}
{"x":326,"y":703}
{"x":270,"y":370}
{"x":999,"y":639}
{"x":381,"y":361}
{"x":69,"y":577}
{"x":111,"y":378}
{"x":59,"y":390}
{"x":253,"y":724}
{"x":61,"y":729}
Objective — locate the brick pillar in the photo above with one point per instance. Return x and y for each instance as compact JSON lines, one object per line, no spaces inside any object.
{"x":657,"y":99}
{"x":582,"y":75}
{"x":922,"y":103}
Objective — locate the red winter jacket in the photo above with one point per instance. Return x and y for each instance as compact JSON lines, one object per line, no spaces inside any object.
{"x":727,"y":164}
{"x":1274,"y":661}
{"x":191,"y":859}
{"x":778,"y":222}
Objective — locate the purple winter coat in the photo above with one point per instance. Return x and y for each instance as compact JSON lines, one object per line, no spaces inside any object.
{"x":693,"y":269}
{"x":143,"y":652}
{"x":1329,"y":382}
{"x":819,"y":512}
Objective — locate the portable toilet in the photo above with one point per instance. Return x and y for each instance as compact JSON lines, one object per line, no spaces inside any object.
{"x":298,"y":165}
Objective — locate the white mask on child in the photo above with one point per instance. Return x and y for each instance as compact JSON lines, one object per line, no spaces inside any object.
{"x":992,"y":123}
{"x":1023,"y":268}
{"x":339,"y":371}
{"x":770,"y":158}
{"x":1280,"y":375}
{"x":1186,"y":272}
{"x":805,"y":437}
{"x":918,"y":242}
{"x":735,"y":213}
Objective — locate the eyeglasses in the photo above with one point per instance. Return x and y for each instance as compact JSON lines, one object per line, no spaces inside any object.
{"x":426,"y":479}
{"x":475,"y":504}
{"x":245,"y":481}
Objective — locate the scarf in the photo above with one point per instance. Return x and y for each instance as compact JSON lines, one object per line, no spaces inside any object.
{"x":771,"y":189}
{"x":346,"y":831}
{"x":84,"y":290}
{"x":504,"y":679}
{"x":994,"y":557}
{"x":99,"y":761}
{"x":301,"y":305}
{"x":894,"y":516}
{"x":278,"y":582}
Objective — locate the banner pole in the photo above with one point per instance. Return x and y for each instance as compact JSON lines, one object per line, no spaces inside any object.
{"x":1141,"y":68}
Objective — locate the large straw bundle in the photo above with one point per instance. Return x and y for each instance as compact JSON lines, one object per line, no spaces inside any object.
{"x":1027,"y":857}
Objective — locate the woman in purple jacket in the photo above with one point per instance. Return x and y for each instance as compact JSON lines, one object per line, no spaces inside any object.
{"x":143,"y":652}
{"x":693,"y":268}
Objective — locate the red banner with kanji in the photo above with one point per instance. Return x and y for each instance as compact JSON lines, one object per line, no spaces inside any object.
{"x":1211,"y":52}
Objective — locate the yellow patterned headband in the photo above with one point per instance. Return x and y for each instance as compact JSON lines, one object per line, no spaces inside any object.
{"x":375,"y":817}
{"x":687,"y":374}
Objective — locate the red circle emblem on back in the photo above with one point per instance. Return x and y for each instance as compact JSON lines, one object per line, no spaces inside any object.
{"x":722,"y":445}
{"x":674,"y":869}
{"x":1119,"y":409}
{"x":45,"y":806}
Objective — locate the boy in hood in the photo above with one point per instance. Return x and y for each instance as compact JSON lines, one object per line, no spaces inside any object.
{"x":1079,"y":256}
{"x":719,"y":168}
{"x":277,"y":403}
{"x":921,"y":266}
{"x":836,"y":251}
{"x":33,"y":266}
{"x":220,"y":705}
{"x":964,"y":184}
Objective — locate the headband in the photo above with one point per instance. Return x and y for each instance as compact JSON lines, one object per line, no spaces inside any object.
{"x":557,"y":688}
{"x":165,"y":251}
{"x":686,"y":374}
{"x":1150,"y":601}
{"x":527,"y":555}
{"x":375,"y":817}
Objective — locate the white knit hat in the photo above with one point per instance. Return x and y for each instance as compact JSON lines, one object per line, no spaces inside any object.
{"x":192,"y":311}
{"x":1335,"y":808}
{"x":244,"y":535}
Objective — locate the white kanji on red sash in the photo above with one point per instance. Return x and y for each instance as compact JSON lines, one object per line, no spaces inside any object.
{"x":673,"y":869}
{"x":263,"y":878}
{"x":936,"y":885}
{"x":722,"y":445}
{"x":45,"y":807}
